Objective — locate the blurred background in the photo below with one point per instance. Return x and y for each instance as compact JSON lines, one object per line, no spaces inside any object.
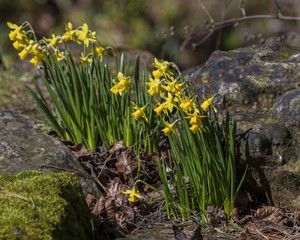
{"x":175,"y":30}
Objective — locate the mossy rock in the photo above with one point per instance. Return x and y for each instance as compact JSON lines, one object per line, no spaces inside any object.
{"x":37,"y":205}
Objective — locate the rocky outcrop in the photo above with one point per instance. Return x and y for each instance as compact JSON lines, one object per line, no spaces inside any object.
{"x":261,"y":87}
{"x":24,"y":147}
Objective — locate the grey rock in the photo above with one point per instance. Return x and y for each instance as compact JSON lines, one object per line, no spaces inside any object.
{"x":260,"y":87}
{"x":287,"y":106}
{"x":24,"y":147}
{"x":247,"y":75}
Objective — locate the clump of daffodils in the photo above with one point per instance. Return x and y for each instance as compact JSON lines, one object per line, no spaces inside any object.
{"x":25,"y":40}
{"x":169,"y":94}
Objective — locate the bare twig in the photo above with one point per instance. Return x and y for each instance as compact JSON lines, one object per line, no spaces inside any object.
{"x":206,"y":11}
{"x":214,"y":26}
{"x":13,"y":195}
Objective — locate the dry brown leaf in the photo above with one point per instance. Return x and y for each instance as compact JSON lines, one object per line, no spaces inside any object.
{"x":126,"y":164}
{"x":287,"y":222}
{"x":99,"y":207}
{"x":115,"y":187}
{"x":153,"y":194}
{"x":269,"y":213}
{"x":245,"y":235}
{"x":79,"y":150}
{"x":90,"y":200}
{"x":234,"y":215}
{"x":118,"y":146}
{"x":297,"y":214}
{"x":121,"y":220}
{"x":110,"y":207}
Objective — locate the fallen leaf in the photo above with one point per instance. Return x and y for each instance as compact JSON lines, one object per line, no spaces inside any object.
{"x":118,"y":146}
{"x":79,"y":150}
{"x":269,"y":213}
{"x":90,"y":200}
{"x":126,"y":164}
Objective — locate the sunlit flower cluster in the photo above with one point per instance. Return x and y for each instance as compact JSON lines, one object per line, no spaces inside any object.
{"x":169,"y":94}
{"x":25,"y":40}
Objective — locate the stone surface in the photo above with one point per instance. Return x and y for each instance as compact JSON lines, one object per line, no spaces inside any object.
{"x":247,"y":75}
{"x":24,"y":147}
{"x":261,"y":87}
{"x":287,"y":106}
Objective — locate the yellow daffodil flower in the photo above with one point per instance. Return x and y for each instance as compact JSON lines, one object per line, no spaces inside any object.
{"x":54,"y":41}
{"x":121,"y":86}
{"x":170,"y":102}
{"x":207,"y":103}
{"x":195,"y":118}
{"x":159,"y":109}
{"x":23,"y":54}
{"x":36,"y":52}
{"x":195,"y":127}
{"x":70,"y":33}
{"x":169,"y":127}
{"x":85,"y":35}
{"x":19,"y":45}
{"x":196,"y":122}
{"x":133,"y":197}
{"x":85,"y":59}
{"x":188,"y":105}
{"x":140,"y":112}
{"x":35,"y":60}
{"x":17,"y":32}
{"x":60,"y":55}
{"x":99,"y":51}
{"x":174,"y":86}
{"x":155,"y":87}
{"x":162,"y":69}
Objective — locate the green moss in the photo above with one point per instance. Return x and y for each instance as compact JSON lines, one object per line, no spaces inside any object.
{"x":55,"y":207}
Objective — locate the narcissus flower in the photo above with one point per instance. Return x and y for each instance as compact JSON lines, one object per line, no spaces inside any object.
{"x":159,"y":109}
{"x":196,"y":122}
{"x":69,"y":34}
{"x":162,"y":69}
{"x":35,"y":60}
{"x":99,"y":51}
{"x":195,"y":127}
{"x":174,"y":86}
{"x":169,"y":127}
{"x":85,"y":35}
{"x":140,"y":112}
{"x":54,"y":41}
{"x":59,"y":55}
{"x":36,"y":52}
{"x":23,"y":54}
{"x":17,"y":32}
{"x":188,"y":105}
{"x":85,"y":59}
{"x":169,"y":104}
{"x":207,"y":103}
{"x":155,"y":87}
{"x":121,"y":86}
{"x":133,"y":197}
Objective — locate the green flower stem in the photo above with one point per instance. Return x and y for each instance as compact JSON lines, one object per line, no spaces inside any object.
{"x":128,"y":132}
